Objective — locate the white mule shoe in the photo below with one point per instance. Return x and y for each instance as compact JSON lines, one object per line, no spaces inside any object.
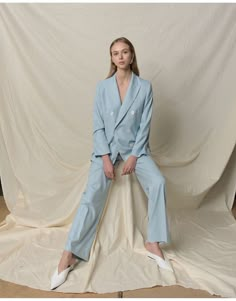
{"x":58,"y":279}
{"x":164,"y":264}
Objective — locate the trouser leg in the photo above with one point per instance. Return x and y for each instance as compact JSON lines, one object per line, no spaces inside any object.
{"x":83,"y":229}
{"x":153,"y":184}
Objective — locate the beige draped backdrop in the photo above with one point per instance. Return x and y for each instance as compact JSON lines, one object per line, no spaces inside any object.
{"x":51,"y":57}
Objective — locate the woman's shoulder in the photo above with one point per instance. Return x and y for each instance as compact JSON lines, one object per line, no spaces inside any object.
{"x":143,"y":80}
{"x":103,"y":83}
{"x":145,"y":83}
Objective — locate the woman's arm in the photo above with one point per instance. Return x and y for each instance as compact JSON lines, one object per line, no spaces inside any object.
{"x":101,"y":146}
{"x":142,"y":137}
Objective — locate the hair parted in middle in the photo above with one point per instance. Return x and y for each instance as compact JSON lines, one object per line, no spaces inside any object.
{"x":133,"y":65}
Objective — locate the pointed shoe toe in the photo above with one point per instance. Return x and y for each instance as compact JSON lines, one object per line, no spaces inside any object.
{"x":58,"y":279}
{"x":164,"y":264}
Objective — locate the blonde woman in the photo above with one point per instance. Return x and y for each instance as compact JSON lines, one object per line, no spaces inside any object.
{"x":122,"y":117}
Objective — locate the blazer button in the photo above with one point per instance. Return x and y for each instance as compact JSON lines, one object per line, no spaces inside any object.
{"x":111,"y":113}
{"x":132,"y":112}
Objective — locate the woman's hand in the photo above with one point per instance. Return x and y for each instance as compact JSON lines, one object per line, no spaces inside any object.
{"x":108,"y":167}
{"x":129,"y":166}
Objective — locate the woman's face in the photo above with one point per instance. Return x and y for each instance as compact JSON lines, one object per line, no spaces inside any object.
{"x":121,"y":55}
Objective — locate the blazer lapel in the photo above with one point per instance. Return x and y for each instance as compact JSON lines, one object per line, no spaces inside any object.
{"x":130,"y":96}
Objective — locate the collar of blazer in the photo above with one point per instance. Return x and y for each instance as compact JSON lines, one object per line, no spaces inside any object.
{"x":131,"y":93}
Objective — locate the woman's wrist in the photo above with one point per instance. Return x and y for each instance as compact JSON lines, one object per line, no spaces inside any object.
{"x":105,"y":157}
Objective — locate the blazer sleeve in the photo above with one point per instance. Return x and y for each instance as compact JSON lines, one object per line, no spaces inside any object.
{"x":142,"y":138}
{"x":100,"y":143}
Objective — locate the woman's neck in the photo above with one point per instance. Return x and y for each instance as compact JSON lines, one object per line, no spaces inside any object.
{"x":123,"y":75}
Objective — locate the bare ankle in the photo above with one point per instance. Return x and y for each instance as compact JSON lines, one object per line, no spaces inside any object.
{"x":67,"y":254}
{"x":152,"y":244}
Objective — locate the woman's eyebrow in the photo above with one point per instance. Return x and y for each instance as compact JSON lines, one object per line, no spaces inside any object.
{"x":121,"y":50}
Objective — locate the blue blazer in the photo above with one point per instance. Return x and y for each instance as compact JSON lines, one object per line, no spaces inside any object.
{"x":122,"y":127}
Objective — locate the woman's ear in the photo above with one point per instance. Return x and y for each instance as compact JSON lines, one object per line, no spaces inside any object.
{"x":132,"y":60}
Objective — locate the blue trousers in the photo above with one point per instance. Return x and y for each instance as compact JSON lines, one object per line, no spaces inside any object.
{"x":92,"y":203}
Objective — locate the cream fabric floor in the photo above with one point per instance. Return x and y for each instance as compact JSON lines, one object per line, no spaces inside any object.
{"x":11,"y":290}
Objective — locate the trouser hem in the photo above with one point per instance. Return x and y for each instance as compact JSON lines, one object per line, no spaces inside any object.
{"x":78,"y":255}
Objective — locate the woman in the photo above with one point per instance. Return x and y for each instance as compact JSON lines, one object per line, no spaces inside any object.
{"x":122,"y":117}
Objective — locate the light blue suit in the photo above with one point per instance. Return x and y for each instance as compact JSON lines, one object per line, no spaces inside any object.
{"x":120,"y":130}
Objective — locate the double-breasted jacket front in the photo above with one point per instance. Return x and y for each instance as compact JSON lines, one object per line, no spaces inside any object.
{"x":122,"y":127}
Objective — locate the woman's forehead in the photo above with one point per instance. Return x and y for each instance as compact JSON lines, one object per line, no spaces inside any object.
{"x":119,"y":46}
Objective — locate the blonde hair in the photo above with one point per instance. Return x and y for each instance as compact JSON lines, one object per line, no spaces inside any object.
{"x":133,"y":65}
